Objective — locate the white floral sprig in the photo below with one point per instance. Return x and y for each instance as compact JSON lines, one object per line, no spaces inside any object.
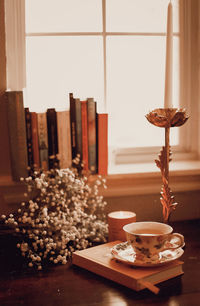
{"x":63,"y":213}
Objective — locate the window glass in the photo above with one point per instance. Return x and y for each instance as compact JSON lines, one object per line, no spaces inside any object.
{"x":139,"y":15}
{"x":57,"y":66}
{"x":136,"y":78}
{"x":63,"y":15}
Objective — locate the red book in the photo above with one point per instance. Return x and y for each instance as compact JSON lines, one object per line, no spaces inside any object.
{"x":102,"y":144}
{"x":84,"y":134}
{"x":35,"y":142}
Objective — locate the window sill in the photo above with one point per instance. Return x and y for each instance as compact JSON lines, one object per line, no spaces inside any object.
{"x":127,"y":180}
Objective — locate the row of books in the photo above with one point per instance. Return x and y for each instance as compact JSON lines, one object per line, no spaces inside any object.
{"x":89,"y":134}
{"x":54,"y":138}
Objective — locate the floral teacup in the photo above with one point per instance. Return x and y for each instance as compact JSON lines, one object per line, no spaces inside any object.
{"x":148,"y":239}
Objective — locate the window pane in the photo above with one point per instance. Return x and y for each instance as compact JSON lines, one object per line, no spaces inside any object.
{"x":63,"y":15}
{"x":57,"y":66}
{"x":136,"y":78}
{"x":139,"y":15}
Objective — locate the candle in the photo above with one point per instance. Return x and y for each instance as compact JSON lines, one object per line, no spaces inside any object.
{"x":116,"y":221}
{"x":169,"y":59}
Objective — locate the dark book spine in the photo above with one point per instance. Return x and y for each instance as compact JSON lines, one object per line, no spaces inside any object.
{"x":78,"y":128}
{"x":52,"y":138}
{"x":92,"y":152}
{"x":43,"y":140}
{"x":73,"y":125}
{"x":84,"y":134}
{"x":29,"y":139}
{"x":36,"y":155}
{"x":17,"y":134}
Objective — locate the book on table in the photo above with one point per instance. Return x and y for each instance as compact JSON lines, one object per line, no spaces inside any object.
{"x":78,"y":127}
{"x":73,"y":125}
{"x":35,"y":142}
{"x":84,"y":126}
{"x":64,"y":139}
{"x":52,"y":137}
{"x":43,"y":140}
{"x":102,"y":139}
{"x":17,"y":133}
{"x":29,"y":139}
{"x":92,"y":140}
{"x":99,"y":260}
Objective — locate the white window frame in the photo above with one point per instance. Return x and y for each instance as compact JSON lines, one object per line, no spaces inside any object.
{"x":189,"y":148}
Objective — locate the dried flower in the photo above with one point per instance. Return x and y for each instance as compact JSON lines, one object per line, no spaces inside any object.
{"x":63,"y":213}
{"x":167,"y":117}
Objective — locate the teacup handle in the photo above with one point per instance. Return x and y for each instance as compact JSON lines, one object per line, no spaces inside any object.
{"x":178,"y":244}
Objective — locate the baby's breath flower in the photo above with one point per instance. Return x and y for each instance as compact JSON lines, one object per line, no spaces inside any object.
{"x":61,"y":218}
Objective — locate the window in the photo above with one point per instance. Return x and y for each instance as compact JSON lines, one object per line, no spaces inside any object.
{"x":112,"y":50}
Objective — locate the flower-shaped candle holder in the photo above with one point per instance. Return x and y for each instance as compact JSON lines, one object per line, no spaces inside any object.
{"x":166,"y":118}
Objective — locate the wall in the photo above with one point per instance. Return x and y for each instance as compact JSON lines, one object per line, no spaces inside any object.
{"x":148,"y":207}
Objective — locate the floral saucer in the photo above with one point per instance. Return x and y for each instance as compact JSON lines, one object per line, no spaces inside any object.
{"x":124,"y":252}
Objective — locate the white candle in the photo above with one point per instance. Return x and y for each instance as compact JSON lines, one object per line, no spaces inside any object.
{"x":116,"y":221}
{"x":169,"y":59}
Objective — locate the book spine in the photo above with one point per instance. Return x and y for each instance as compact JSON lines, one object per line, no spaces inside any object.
{"x":17,"y":134}
{"x":92,"y":152}
{"x":64,"y":139}
{"x":84,"y":134}
{"x":5,"y":164}
{"x":78,"y":128}
{"x":73,"y":125}
{"x":34,"y":126}
{"x":52,"y":138}
{"x":43,"y":140}
{"x":68,"y":141}
{"x":29,"y":139}
{"x":103,"y":144}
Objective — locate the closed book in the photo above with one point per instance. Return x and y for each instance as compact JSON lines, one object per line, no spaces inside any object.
{"x":43,"y":140}
{"x":5,"y":165}
{"x":17,"y":134}
{"x":34,"y":126}
{"x":78,"y":133}
{"x":102,"y":120}
{"x":92,"y":151}
{"x":98,"y":259}
{"x":73,"y":125}
{"x":52,"y":138}
{"x":29,"y":139}
{"x":84,"y":135}
{"x":64,"y":139}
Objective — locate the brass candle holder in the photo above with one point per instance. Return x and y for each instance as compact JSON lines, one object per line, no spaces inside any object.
{"x":166,"y":118}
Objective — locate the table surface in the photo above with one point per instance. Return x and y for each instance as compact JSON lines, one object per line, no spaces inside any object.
{"x":71,"y":285}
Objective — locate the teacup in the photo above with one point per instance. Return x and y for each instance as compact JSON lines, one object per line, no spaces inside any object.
{"x":148,"y":239}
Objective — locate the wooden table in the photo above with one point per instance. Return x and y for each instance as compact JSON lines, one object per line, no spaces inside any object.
{"x":71,"y":285}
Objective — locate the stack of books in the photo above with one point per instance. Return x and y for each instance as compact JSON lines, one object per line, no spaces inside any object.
{"x":52,"y":139}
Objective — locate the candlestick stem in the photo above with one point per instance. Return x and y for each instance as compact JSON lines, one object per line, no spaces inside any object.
{"x":167,"y":149}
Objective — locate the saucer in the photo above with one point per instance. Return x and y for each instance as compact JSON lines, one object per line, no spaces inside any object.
{"x":124,"y":252}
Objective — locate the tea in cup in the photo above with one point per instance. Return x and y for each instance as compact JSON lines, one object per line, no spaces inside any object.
{"x":148,"y":239}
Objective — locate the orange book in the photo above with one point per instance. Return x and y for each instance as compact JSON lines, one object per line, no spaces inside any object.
{"x":84,"y":134}
{"x":102,"y":144}
{"x":35,"y":142}
{"x":99,"y":260}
